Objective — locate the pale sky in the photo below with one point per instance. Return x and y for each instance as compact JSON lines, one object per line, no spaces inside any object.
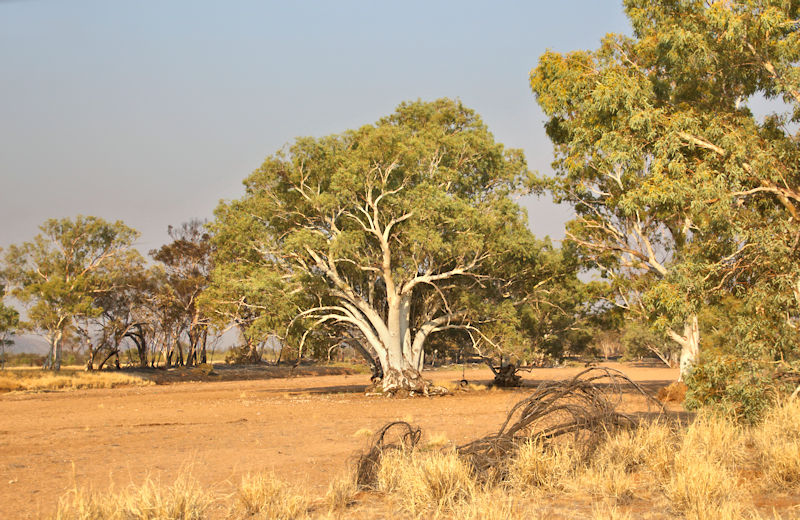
{"x":152,"y":111}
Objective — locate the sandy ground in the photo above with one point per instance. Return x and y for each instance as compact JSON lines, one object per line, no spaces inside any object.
{"x":301,"y":428}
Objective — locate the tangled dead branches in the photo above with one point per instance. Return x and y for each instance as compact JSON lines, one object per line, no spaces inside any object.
{"x":393,"y":436}
{"x":583,"y":408}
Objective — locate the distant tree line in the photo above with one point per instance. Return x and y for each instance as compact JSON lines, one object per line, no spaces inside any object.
{"x":82,"y":280}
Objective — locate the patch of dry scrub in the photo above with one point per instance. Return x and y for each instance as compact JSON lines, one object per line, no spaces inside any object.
{"x":427,"y":483}
{"x":709,"y":468}
{"x":39,"y":380}
{"x":777,"y":441}
{"x":183,"y":500}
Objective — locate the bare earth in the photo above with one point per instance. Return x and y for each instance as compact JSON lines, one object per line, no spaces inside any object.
{"x":302,"y":428}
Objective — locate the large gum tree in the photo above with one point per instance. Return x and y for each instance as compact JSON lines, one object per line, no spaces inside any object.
{"x":385,"y":235}
{"x":683,"y":195}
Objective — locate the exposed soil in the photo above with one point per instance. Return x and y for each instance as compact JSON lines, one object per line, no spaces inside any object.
{"x":301,"y":428}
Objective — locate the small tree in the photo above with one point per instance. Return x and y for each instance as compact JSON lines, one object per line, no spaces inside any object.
{"x":123,"y":313}
{"x":60,"y":274}
{"x":187,"y":263}
{"x":9,"y":320}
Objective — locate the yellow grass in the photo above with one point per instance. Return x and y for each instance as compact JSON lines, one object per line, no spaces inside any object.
{"x":265,"y":496}
{"x":437,"y":440}
{"x":69,"y":379}
{"x":183,"y":500}
{"x":426,"y":483}
{"x":341,"y":493}
{"x":547,"y":468}
{"x":707,"y":469}
{"x":777,"y":440}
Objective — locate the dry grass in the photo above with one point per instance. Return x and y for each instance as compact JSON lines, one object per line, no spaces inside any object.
{"x":707,"y":469}
{"x":341,"y":493}
{"x":493,"y":504}
{"x":777,"y":441}
{"x":611,"y":483}
{"x":183,"y":500}
{"x":265,"y":496}
{"x":546,"y":468}
{"x":650,"y":446}
{"x":426,"y":483}
{"x":702,"y":489}
{"x":437,"y":440}
{"x":40,"y":380}
{"x":702,"y":482}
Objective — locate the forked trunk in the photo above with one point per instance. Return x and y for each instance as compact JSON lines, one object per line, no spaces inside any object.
{"x":401,"y":371}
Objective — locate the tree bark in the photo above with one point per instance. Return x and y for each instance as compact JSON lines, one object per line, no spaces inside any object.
{"x":401,"y":371}
{"x":53,"y":360}
{"x":690,"y":345}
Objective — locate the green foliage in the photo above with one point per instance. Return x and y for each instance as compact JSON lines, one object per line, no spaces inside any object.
{"x":9,"y":320}
{"x":385,"y":234}
{"x":60,"y":274}
{"x":737,"y":386}
{"x":186,"y":263}
{"x":24,"y":359}
{"x":640,"y":340}
{"x":686,"y":200}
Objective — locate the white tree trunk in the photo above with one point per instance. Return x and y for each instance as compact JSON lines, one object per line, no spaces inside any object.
{"x":53,"y":359}
{"x":400,"y":373}
{"x":690,"y":345}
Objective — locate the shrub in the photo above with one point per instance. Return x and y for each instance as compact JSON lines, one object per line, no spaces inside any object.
{"x":739,"y":387}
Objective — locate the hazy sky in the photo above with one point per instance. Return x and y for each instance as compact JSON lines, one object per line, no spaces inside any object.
{"x":152,"y":111}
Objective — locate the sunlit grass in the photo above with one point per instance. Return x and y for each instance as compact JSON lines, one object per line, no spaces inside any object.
{"x":25,"y":379}
{"x":708,"y":468}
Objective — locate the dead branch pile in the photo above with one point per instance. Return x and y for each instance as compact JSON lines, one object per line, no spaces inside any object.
{"x":583,"y":408}
{"x":397,"y":435}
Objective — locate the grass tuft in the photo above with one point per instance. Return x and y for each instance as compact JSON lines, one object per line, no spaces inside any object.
{"x":183,"y":500}
{"x":777,"y":441}
{"x":265,"y":496}
{"x":548,"y":468}
{"x":426,"y":483}
{"x":341,"y":493}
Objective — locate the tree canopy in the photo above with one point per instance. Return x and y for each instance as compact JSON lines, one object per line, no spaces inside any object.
{"x":385,"y":235}
{"x":62,"y":272}
{"x":683,"y":193}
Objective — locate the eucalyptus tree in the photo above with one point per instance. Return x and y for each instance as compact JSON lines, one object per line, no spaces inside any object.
{"x":675,"y":182}
{"x":246,"y":297}
{"x":124,"y":314}
{"x":387,"y":234}
{"x":9,"y":321}
{"x":61,"y":272}
{"x":187,"y":264}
